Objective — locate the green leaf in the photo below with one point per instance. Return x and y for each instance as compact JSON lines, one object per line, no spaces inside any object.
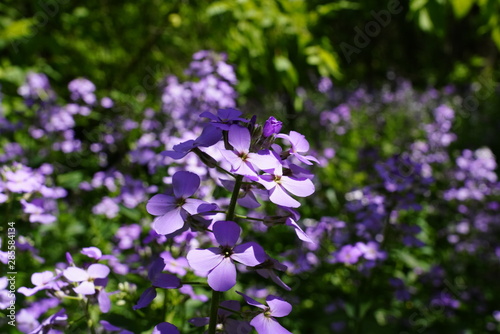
{"x":461,"y":7}
{"x":17,"y":29}
{"x":70,"y":180}
{"x":424,"y":20}
{"x":133,"y":214}
{"x":495,"y":35}
{"x":416,"y":5}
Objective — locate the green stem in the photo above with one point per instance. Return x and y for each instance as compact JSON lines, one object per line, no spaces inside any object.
{"x":214,"y":307}
{"x":194,"y":283}
{"x":234,"y":197}
{"x":249,"y":218}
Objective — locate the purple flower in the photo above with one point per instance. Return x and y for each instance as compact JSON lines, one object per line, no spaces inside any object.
{"x":37,"y":212}
{"x":265,"y":322}
{"x":173,"y":210}
{"x":224,"y":118}
{"x":165,"y":328}
{"x":87,"y":277}
{"x":82,"y":88}
{"x":279,"y":186}
{"x":111,"y":328}
{"x":272,"y":126}
{"x":210,"y":136}
{"x":348,"y":254}
{"x":266,"y":270}
{"x":58,"y":319}
{"x":299,"y":145}
{"x":218,"y":261}
{"x":41,"y":281}
{"x":225,"y":324}
{"x":158,"y":280}
{"x":370,"y":250}
{"x":107,"y":207}
{"x":175,"y":266}
{"x":242,"y":161}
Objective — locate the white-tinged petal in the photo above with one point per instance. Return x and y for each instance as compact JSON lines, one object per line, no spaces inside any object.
{"x":265,"y":325}
{"x":279,"y":196}
{"x":204,"y":260}
{"x":75,"y":274}
{"x":169,"y":222}
{"x":301,"y":188}
{"x":85,"y":288}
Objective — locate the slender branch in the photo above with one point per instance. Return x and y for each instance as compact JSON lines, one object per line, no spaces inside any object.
{"x":250,"y":218}
{"x":194,"y":283}
{"x":228,"y":309}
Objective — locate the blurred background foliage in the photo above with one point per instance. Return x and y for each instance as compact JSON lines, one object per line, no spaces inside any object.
{"x":278,"y":46}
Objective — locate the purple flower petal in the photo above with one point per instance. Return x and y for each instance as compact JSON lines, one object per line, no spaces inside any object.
{"x":230,"y":304}
{"x":301,"y":188}
{"x":169,"y":222}
{"x":204,"y":260}
{"x":75,"y":274}
{"x":278,"y":196}
{"x":249,"y":201}
{"x":92,"y":252}
{"x":237,"y":326}
{"x":251,"y":301}
{"x":231,"y":157}
{"x":192,"y":204}
{"x":166,"y":281}
{"x":300,"y":233}
{"x":104,"y":301}
{"x":223,"y":277}
{"x":98,"y":270}
{"x":226,"y":233}
{"x":146,"y":298}
{"x":263,"y":160}
{"x":156,"y":268}
{"x":185,"y":184}
{"x":276,"y":279}
{"x":174,"y":154}
{"x":209,"y":115}
{"x":210,"y":136}
{"x":279,"y":307}
{"x":239,"y":138}
{"x":85,"y":288}
{"x":250,"y":254}
{"x":160,"y":204}
{"x":198,"y":322}
{"x":265,"y":325}
{"x":42,"y":278}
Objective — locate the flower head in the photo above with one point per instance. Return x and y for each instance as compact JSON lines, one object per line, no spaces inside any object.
{"x":265,"y":322}
{"x":218,"y":262}
{"x":172,"y":211}
{"x":87,"y":277}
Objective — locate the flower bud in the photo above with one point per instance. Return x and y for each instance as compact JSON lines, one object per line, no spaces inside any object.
{"x":272,"y":126}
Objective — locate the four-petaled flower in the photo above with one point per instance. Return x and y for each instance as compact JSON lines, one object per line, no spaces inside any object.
{"x":280,"y":185}
{"x":218,"y":261}
{"x":173,"y":210}
{"x":87,"y":277}
{"x":299,"y":144}
{"x":244,"y":162}
{"x":264,"y":323}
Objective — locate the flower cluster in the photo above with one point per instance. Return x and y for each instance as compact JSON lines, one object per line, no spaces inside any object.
{"x":261,"y":169}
